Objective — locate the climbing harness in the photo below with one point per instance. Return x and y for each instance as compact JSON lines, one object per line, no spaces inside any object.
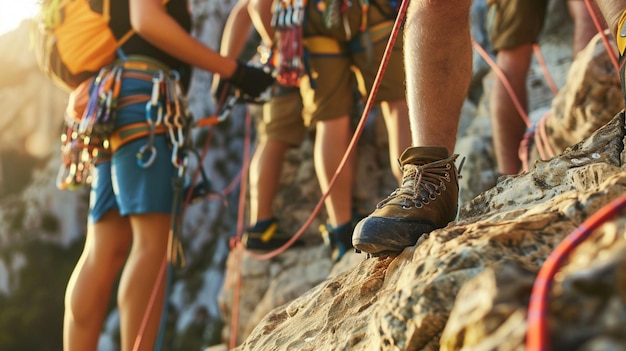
{"x":93,"y":137}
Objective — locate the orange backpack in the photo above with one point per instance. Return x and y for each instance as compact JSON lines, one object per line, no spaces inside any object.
{"x":72,"y":41}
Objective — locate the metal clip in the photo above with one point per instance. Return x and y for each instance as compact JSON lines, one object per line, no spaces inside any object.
{"x":157,"y":78}
{"x":149,"y":146}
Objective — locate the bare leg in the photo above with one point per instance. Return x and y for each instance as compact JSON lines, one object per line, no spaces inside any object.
{"x":90,"y":285}
{"x":331,"y":142}
{"x":584,"y":28}
{"x":265,"y":170}
{"x":508,"y":126}
{"x":438,"y":56}
{"x":611,"y":11}
{"x":396,"y":115}
{"x":438,"y":61}
{"x":150,"y":236}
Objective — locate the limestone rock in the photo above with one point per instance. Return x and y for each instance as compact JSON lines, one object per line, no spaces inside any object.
{"x":591,"y":97}
{"x":418,"y":300}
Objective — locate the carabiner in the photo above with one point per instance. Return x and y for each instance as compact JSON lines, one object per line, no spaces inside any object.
{"x":150,"y":144}
{"x":157,"y":78}
{"x":140,"y":153}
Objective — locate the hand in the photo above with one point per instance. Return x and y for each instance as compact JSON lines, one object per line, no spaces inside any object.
{"x":252,"y":81}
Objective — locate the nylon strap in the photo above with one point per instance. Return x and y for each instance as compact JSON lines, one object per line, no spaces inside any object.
{"x":132,"y":132}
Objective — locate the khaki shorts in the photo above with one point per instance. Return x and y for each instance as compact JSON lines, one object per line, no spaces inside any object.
{"x":512,"y":23}
{"x":334,"y":60}
{"x":282,"y":118}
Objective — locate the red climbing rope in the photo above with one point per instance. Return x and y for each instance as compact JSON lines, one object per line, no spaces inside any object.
{"x":537,"y":335}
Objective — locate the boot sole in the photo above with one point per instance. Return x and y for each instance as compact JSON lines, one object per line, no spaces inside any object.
{"x":380,"y":236}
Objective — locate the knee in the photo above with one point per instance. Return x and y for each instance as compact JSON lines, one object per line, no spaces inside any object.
{"x":442,"y":8}
{"x":115,"y":256}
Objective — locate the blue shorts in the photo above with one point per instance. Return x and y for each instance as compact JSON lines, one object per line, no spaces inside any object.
{"x":121,"y":183}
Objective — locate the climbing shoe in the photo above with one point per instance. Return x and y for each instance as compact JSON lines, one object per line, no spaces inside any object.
{"x":339,"y":239}
{"x":265,"y":235}
{"x":426,"y":200}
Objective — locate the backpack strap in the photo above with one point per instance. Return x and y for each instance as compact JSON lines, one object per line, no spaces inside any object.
{"x":106,"y":10}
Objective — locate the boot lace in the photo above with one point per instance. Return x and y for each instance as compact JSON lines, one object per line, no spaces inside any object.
{"x":422,"y":183}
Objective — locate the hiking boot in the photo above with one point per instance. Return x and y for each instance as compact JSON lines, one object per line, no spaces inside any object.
{"x":426,"y":200}
{"x":266,"y":236}
{"x":339,"y":239}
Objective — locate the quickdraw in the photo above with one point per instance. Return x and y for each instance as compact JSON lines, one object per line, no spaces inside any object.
{"x":83,"y":142}
{"x":330,"y":12}
{"x":153,"y":105}
{"x":287,"y":20}
{"x":90,"y":139}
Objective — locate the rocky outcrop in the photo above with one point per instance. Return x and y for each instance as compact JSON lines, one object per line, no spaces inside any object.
{"x":468,"y":285}
{"x":591,"y":96}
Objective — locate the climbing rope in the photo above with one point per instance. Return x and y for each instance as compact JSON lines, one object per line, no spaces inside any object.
{"x":174,"y":253}
{"x":539,"y":133}
{"x":537,"y":334}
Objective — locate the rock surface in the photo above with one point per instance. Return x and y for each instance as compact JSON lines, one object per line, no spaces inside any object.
{"x":468,"y":285}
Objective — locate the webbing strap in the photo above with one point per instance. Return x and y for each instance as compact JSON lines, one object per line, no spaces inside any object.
{"x":380,"y":31}
{"x":106,"y":10}
{"x":133,"y":131}
{"x":321,"y":45}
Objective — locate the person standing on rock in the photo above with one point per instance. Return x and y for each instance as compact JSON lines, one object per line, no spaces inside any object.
{"x":279,"y":129}
{"x":132,"y":196}
{"x":339,"y":38}
{"x":438,"y":58}
{"x":514,"y":30}
{"x":438,"y":66}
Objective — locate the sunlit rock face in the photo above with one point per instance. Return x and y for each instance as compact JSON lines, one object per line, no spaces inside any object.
{"x":468,"y":284}
{"x":32,"y":107}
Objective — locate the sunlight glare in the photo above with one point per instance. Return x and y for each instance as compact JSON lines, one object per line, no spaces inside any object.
{"x":12,"y":12}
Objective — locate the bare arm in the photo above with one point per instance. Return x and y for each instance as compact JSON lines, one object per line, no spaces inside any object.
{"x":261,"y":15}
{"x":236,"y":31}
{"x":151,"y":21}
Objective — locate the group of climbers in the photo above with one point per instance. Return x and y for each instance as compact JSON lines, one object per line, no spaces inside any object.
{"x":321,"y":52}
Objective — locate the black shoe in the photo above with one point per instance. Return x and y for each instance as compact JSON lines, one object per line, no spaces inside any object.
{"x":339,"y":239}
{"x":266,"y":236}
